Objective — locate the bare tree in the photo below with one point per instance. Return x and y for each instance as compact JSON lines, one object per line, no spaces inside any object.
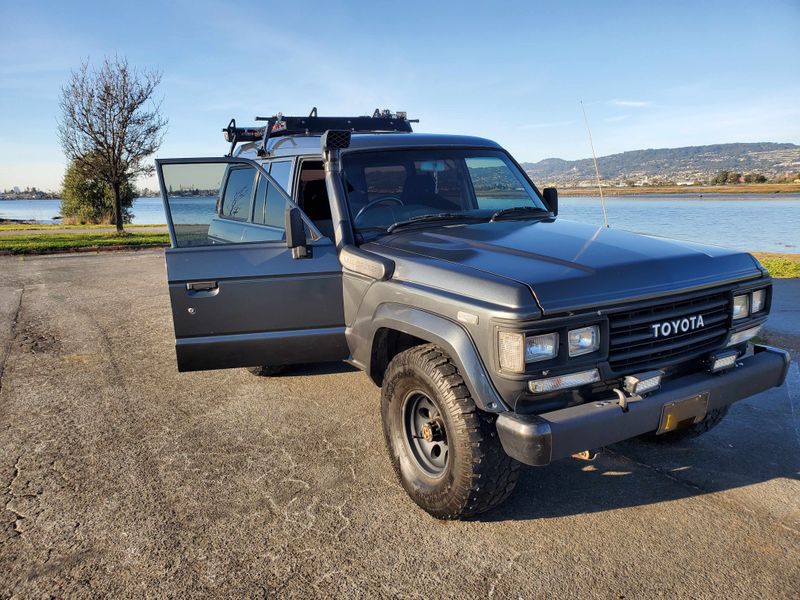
{"x":110,"y":123}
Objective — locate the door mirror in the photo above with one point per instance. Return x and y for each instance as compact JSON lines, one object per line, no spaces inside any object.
{"x":551,"y":199}
{"x":296,"y":233}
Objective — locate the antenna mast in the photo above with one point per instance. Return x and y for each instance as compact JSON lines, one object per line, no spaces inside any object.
{"x":596,"y":170}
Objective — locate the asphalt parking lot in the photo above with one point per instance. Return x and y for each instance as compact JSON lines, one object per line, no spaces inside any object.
{"x":122,"y":477}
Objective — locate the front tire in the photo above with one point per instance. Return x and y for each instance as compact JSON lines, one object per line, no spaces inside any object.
{"x":444,"y":450}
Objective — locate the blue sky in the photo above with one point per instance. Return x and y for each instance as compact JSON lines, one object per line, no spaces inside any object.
{"x":650,"y":74}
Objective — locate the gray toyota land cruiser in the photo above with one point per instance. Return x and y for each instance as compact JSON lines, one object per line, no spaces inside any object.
{"x":499,"y":333}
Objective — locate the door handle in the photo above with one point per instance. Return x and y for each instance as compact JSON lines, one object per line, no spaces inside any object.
{"x":201,"y":286}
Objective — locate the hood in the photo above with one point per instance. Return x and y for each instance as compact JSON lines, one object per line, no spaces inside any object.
{"x":572,"y":266}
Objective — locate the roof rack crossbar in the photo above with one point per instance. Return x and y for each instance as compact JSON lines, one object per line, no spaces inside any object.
{"x":279,"y":125}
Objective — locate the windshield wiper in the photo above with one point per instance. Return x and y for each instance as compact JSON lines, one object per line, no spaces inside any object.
{"x":517,"y":211}
{"x":445,"y":216}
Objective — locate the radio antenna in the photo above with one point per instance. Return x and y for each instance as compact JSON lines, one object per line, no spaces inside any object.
{"x":596,"y":169}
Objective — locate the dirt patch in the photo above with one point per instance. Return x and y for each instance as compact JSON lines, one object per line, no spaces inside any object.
{"x":33,"y":340}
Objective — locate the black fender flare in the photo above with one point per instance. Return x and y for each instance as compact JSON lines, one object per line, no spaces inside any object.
{"x":450,"y":337}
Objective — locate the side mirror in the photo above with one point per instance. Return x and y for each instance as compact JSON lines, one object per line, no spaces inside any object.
{"x":295,"y":233}
{"x":551,"y":199}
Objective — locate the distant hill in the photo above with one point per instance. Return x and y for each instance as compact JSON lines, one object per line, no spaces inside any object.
{"x":674,"y":165}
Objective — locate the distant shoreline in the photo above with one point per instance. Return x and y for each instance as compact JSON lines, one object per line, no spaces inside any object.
{"x":686,"y":190}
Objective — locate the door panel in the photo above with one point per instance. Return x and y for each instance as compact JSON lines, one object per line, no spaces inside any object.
{"x":245,"y":304}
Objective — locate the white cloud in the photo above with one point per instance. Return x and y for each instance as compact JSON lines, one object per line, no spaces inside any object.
{"x":632,"y":103}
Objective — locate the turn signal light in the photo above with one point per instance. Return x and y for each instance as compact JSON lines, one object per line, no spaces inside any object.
{"x":562,"y":382}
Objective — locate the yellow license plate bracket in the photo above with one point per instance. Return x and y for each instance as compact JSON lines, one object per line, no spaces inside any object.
{"x":681,"y":413}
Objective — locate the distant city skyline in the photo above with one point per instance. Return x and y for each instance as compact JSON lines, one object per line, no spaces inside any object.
{"x":650,"y":75}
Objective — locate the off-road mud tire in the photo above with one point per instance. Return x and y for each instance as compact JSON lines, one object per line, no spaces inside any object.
{"x":478,"y":475}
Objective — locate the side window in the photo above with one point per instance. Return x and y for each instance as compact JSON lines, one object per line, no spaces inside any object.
{"x":238,"y":194}
{"x":280,"y":171}
{"x":261,"y":200}
{"x":276,"y":208}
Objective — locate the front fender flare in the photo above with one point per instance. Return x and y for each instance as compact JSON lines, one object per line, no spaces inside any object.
{"x":452,"y":338}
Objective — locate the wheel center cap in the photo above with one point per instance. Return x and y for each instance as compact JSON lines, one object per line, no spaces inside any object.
{"x":432,"y":431}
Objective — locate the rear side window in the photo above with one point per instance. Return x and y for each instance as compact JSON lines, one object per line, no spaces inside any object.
{"x":238,"y":194}
{"x":276,"y":208}
{"x":270,"y":205}
{"x":280,"y":172}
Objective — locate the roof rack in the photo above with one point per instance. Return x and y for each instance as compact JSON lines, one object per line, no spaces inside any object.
{"x":381,"y":121}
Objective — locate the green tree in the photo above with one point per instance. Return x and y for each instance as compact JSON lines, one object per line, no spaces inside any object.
{"x":721,"y":178}
{"x":110,"y":124}
{"x":86,"y":198}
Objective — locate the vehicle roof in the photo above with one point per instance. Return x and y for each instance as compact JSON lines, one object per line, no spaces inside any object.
{"x":295,"y":145}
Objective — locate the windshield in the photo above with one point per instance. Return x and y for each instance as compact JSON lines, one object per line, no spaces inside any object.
{"x":390,"y":187}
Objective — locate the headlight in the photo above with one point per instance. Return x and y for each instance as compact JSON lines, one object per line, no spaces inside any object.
{"x":541,"y":347}
{"x":759,"y":301}
{"x":741,"y":306}
{"x":516,"y":349}
{"x":584,"y":340}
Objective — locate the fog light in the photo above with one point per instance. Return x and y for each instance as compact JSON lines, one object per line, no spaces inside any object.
{"x":744,"y":335}
{"x":723,"y":361}
{"x":759,"y":301}
{"x":741,"y":306}
{"x":641,"y":383}
{"x":562,"y":382}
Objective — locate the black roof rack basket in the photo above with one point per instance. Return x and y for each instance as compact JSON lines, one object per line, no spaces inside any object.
{"x":278,"y":125}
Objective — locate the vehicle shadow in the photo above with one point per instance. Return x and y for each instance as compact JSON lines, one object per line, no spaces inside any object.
{"x":756,"y":442}
{"x":329,"y":368}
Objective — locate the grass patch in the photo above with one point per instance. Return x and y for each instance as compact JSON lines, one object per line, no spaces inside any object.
{"x":54,"y":242}
{"x":782,"y":266}
{"x":46,"y":226}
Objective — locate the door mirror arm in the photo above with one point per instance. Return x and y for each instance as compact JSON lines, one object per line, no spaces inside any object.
{"x":296,"y":233}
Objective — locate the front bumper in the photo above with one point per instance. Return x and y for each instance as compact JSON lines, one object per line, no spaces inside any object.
{"x":541,"y":439}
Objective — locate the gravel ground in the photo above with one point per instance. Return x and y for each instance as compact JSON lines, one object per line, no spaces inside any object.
{"x":121,"y":477}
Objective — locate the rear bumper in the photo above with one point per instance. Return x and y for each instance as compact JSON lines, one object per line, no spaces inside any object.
{"x":541,"y":439}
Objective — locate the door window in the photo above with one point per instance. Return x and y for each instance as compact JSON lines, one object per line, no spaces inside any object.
{"x":225,"y":202}
{"x":238,"y":194}
{"x":192,"y":191}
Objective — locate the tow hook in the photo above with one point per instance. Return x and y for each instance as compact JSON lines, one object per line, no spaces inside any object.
{"x":624,"y":400}
{"x":587,"y":455}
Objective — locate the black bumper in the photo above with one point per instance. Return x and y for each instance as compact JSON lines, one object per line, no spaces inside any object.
{"x":541,"y":439}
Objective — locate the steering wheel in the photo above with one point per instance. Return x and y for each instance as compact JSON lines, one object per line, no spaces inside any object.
{"x":375,"y":203}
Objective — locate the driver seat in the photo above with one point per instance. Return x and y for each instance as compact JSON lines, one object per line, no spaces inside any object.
{"x":419,"y":188}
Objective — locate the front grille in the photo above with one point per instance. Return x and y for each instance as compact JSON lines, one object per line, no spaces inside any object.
{"x":632,"y":344}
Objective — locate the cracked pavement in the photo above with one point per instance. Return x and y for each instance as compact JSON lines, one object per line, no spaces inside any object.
{"x":122,"y":477}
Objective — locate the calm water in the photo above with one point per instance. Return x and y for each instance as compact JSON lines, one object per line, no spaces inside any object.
{"x":756,"y":222}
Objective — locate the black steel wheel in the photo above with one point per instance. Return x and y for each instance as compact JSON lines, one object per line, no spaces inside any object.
{"x":425,"y":433}
{"x":444,"y":450}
